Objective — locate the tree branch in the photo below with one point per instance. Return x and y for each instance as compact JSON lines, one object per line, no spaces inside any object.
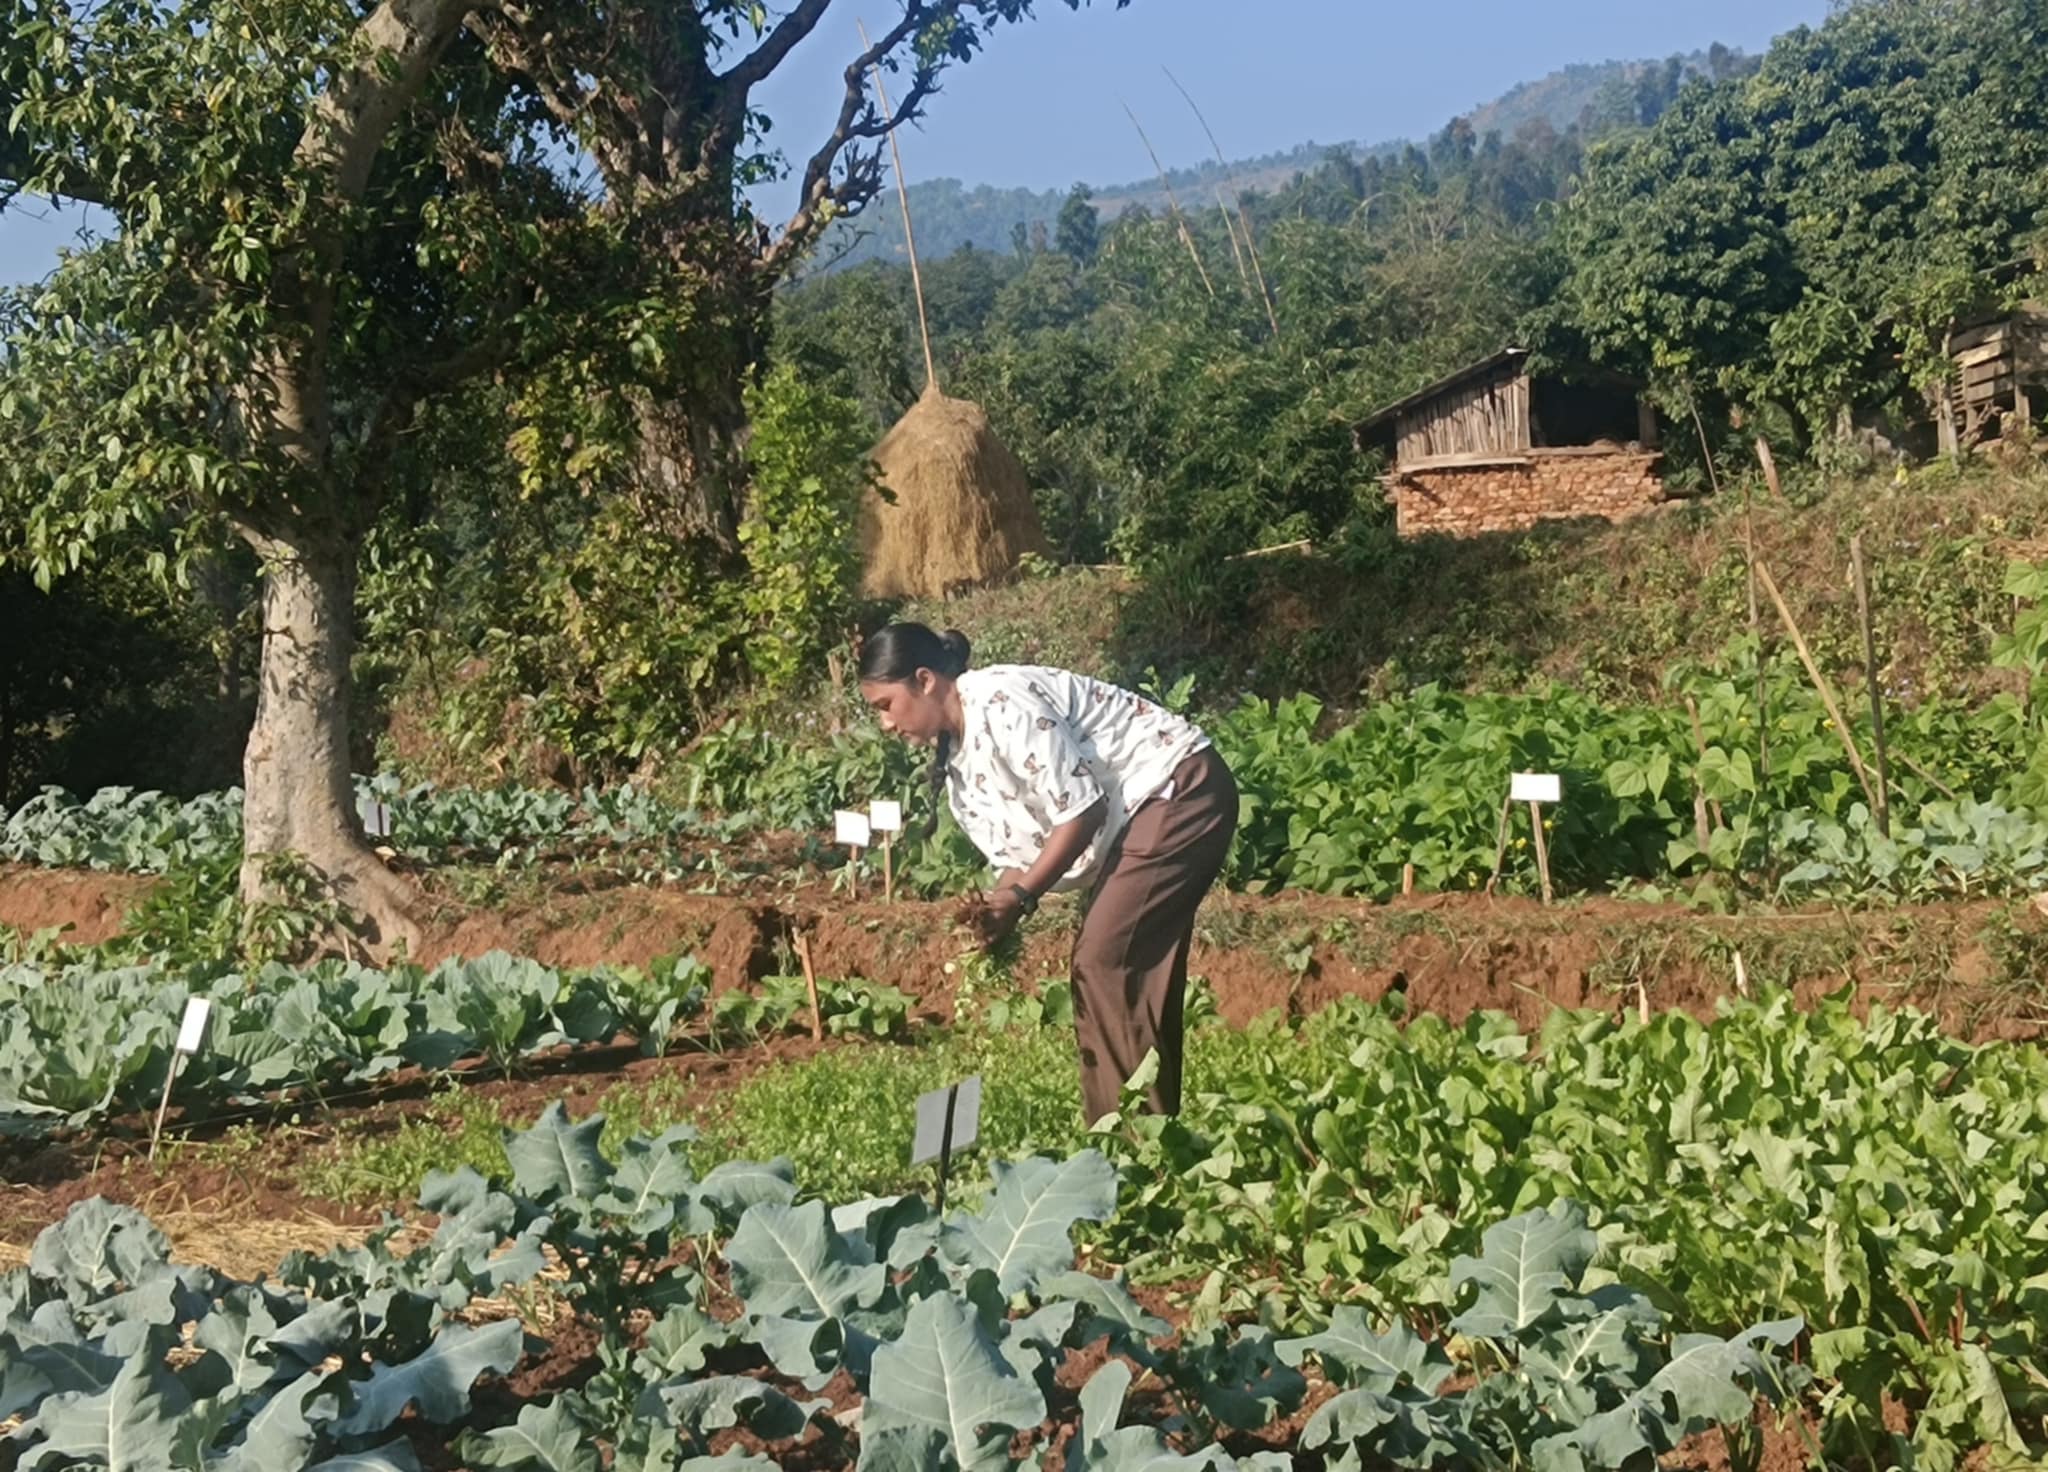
{"x":398,"y":43}
{"x":754,"y":68}
{"x":858,"y":119}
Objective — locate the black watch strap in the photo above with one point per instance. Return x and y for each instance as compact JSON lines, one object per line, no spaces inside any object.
{"x":1026,"y":900}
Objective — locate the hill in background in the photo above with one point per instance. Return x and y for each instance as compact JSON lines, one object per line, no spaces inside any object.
{"x":1593,"y":96}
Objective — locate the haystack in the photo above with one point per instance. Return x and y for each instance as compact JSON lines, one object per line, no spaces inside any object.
{"x":963,"y":513}
{"x":959,"y":513}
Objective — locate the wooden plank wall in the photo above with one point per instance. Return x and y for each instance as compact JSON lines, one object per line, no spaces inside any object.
{"x":1489,"y":416}
{"x":1995,"y":358}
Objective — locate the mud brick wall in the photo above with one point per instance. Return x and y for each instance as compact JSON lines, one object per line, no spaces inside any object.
{"x":1511,"y":495}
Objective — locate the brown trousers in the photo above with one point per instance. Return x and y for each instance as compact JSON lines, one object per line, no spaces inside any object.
{"x":1131,"y":957}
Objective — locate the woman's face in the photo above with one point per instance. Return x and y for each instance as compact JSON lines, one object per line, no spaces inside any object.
{"x":914,"y":709}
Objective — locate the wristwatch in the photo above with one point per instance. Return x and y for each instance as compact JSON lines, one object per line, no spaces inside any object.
{"x":1026,"y":900}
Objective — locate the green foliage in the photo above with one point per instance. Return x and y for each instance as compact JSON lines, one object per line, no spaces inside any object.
{"x":810,"y":468}
{"x":617,"y":640}
{"x":1412,"y":780}
{"x":82,"y":1041}
{"x":949,"y":1330}
{"x":1077,"y":234}
{"x":1776,"y":237}
{"x":273,"y":1377}
{"x":1576,"y":1378}
{"x":1356,"y":1148}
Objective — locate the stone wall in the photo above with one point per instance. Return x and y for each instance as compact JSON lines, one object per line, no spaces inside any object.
{"x":1512,"y":494}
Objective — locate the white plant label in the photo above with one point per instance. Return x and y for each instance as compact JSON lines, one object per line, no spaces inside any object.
{"x":1536,"y":787}
{"x":376,"y":816}
{"x":886,"y":817}
{"x":192,"y":1028}
{"x":852,"y":830}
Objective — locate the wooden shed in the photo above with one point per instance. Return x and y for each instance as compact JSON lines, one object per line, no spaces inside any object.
{"x":1495,"y":448}
{"x":2001,"y":373}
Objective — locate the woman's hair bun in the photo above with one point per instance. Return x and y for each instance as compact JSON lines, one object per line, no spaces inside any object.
{"x":958,"y":651}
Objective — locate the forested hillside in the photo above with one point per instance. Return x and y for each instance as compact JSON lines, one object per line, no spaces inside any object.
{"x":1591,"y":99}
{"x":1777,"y":249}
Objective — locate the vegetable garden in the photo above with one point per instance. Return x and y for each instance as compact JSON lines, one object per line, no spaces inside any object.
{"x":413,"y":400}
{"x":1393,"y":1226}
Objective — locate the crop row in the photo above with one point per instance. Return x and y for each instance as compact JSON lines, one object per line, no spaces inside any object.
{"x":78,"y":1042}
{"x":122,"y":830}
{"x":950,"y":1333}
{"x":1709,"y":781}
{"x":1896,"y":1178}
{"x":1887,"y":1183}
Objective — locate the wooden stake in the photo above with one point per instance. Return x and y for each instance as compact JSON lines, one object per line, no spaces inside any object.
{"x":803,"y":955}
{"x":1699,"y":741}
{"x":853,"y":875}
{"x":924,"y":327}
{"x":1884,"y":786}
{"x":888,"y":867}
{"x":163,"y":1104}
{"x":1756,"y":634}
{"x":1770,"y":465}
{"x":1820,"y":684}
{"x":1542,"y":848}
{"x":1500,"y":853}
{"x":1407,"y":879}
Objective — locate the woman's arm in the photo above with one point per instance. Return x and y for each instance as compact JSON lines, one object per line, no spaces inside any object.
{"x":1063,"y":847}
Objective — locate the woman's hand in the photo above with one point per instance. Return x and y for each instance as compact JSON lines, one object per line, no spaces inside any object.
{"x":1002,"y":910}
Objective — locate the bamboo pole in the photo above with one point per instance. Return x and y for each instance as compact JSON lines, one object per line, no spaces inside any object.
{"x":1820,"y":684}
{"x":1236,"y":251}
{"x":1926,"y":776}
{"x":924,"y":326}
{"x":1756,"y":611}
{"x":1884,"y":786}
{"x":1180,"y":219}
{"x":1542,"y":848}
{"x":1699,"y":741}
{"x":1251,"y":244}
{"x":1500,"y":852}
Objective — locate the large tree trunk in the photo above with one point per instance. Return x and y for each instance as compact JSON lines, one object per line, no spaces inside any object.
{"x":298,"y":791}
{"x":689,"y":469}
{"x":689,"y":472}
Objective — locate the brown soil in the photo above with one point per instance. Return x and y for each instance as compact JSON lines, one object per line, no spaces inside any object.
{"x":1450,"y":954}
{"x":1973,"y":965}
{"x":92,"y":905}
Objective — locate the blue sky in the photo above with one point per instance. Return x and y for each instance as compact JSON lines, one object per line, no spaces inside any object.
{"x":1043,"y":106}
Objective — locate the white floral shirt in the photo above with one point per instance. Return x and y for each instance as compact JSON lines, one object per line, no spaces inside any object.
{"x":1043,"y":746}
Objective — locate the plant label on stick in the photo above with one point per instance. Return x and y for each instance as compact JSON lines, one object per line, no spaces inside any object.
{"x":948,"y":1120}
{"x":376,"y":816}
{"x":1536,"y":787}
{"x":852,"y":830}
{"x":192,"y":1027}
{"x":191,"y":1037}
{"x":886,"y":818}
